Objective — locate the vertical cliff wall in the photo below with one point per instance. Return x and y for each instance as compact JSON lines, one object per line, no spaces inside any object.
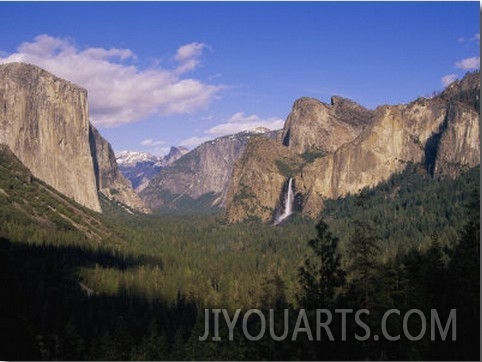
{"x":44,"y":121}
{"x":109,"y":179}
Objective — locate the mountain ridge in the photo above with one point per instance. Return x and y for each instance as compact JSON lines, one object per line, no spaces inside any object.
{"x":443,"y":133}
{"x":331,"y":149}
{"x":199,"y":179}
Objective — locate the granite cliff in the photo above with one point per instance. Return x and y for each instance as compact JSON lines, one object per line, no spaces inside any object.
{"x":320,"y":122}
{"x":44,"y":121}
{"x":332,"y":150}
{"x":199,"y":180}
{"x":109,"y":180}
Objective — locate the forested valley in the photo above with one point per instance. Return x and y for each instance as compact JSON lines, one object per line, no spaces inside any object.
{"x":77,"y":285}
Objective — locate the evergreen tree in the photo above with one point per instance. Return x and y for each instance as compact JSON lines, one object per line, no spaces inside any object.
{"x":363,"y":251}
{"x":321,"y":277}
{"x":464,"y":284}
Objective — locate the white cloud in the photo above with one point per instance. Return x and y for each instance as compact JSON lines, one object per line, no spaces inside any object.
{"x":161,"y":151}
{"x":120,"y":92}
{"x":194,"y":141}
{"x":147,"y":142}
{"x":468,"y":63}
{"x":189,"y":51}
{"x":240,"y":122}
{"x":475,"y":38}
{"x":188,"y":57}
{"x":157,"y":148}
{"x":151,"y":142}
{"x":448,"y":79}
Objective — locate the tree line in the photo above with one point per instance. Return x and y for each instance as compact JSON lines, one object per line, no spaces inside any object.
{"x":141,"y":293}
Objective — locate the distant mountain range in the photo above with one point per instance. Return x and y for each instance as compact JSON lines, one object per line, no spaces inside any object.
{"x":199,"y":180}
{"x":330,"y":150}
{"x":140,"y":167}
{"x":325,"y":151}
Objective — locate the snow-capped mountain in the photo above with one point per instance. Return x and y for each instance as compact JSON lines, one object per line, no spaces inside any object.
{"x":131,"y":158}
{"x":140,"y":167}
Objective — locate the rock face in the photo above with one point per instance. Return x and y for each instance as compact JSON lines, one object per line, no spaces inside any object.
{"x":458,"y":143}
{"x":140,"y":167}
{"x":175,"y":153}
{"x":109,"y":180}
{"x":44,"y":121}
{"x":459,"y":136}
{"x":313,"y":125}
{"x":256,"y":181}
{"x":333,"y":150}
{"x":198,"y":180}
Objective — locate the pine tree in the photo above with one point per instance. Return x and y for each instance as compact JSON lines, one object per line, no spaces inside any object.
{"x":363,"y":251}
{"x":464,"y":284}
{"x":321,"y":277}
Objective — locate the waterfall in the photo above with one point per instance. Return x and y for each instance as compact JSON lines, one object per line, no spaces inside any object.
{"x":288,"y":203}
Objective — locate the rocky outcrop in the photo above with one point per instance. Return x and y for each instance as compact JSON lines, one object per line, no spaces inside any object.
{"x":109,"y":180}
{"x":314,"y":126}
{"x":44,"y":121}
{"x":395,"y":137}
{"x":199,"y":179}
{"x":337,"y":149}
{"x":175,"y":153}
{"x":458,"y":142}
{"x":458,"y":147}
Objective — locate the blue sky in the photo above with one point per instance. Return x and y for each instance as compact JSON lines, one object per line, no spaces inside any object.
{"x":171,"y":73}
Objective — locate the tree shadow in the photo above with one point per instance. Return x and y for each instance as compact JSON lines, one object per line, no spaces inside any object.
{"x":45,"y":314}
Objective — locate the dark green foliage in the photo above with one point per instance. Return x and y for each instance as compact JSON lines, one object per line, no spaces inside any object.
{"x":310,"y":156}
{"x":406,"y":210}
{"x":287,"y":167}
{"x":186,"y":204}
{"x":427,"y":276}
{"x":293,"y":165}
{"x":363,"y":253}
{"x":464,"y":282}
{"x":55,"y":319}
{"x":322,"y":277}
{"x":244,"y":193}
{"x":78,"y":285}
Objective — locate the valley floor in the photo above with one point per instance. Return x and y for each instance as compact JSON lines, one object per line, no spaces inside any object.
{"x":81,"y":286}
